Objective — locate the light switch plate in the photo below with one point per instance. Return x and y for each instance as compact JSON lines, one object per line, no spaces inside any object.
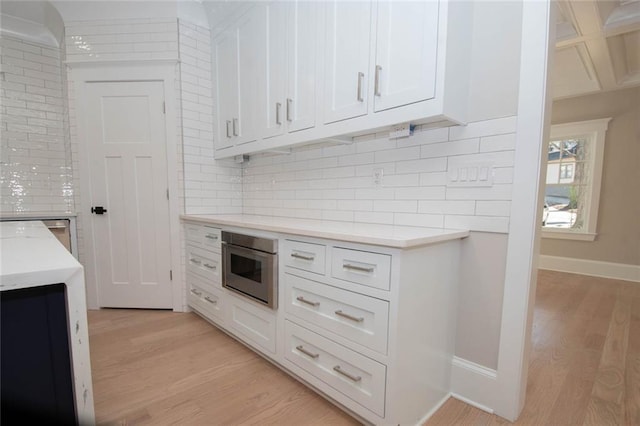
{"x":466,"y":174}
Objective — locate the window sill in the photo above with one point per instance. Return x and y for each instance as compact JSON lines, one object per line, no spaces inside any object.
{"x":568,"y":235}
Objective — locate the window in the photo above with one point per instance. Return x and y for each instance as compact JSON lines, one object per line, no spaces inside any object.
{"x":574,"y":170}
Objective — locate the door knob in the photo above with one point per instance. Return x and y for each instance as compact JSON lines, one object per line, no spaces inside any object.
{"x":98,"y":210}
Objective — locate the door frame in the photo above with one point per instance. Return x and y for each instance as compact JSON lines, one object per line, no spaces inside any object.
{"x":164,"y":71}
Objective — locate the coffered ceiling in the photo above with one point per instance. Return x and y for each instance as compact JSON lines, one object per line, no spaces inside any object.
{"x":597,"y":46}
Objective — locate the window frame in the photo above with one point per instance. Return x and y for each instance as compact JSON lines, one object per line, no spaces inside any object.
{"x":594,"y":131}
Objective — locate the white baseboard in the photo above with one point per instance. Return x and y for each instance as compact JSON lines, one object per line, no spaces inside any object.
{"x":616,"y":271}
{"x":473,"y":384}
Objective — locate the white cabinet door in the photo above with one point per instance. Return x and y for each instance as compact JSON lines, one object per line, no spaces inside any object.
{"x":347,"y":37}
{"x":275,"y":45}
{"x":406,"y":46}
{"x":302,"y":38}
{"x":252,"y":71}
{"x":225,"y":56}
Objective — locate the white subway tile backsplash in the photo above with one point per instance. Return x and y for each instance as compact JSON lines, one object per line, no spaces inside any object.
{"x":413,"y":190}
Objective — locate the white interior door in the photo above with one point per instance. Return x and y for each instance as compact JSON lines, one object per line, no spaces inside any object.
{"x":126,"y":143}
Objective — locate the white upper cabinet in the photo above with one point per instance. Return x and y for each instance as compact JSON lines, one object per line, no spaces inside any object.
{"x":275,"y":45}
{"x":302,"y":48}
{"x":239,"y":74}
{"x":346,"y":59}
{"x":291,"y":46}
{"x":252,"y":73}
{"x":293,"y":72}
{"x":225,"y":56}
{"x":406,"y":51}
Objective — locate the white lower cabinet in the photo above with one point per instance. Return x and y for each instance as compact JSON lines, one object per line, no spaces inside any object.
{"x":370,"y":327}
{"x":355,"y":376}
{"x":253,"y":324}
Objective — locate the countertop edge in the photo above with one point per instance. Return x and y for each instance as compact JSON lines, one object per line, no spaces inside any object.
{"x":406,"y":243}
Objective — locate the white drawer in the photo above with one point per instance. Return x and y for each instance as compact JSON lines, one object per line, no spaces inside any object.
{"x":204,"y":236}
{"x":306,"y":256}
{"x":357,"y":377}
{"x":208,"y":302}
{"x":361,"y":267}
{"x":204,"y":263}
{"x":253,"y":324}
{"x":358,"y":318}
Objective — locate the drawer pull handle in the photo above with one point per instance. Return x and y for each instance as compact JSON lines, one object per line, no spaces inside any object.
{"x":357,"y":268}
{"x":206,"y":265}
{"x":211,"y":237}
{"x":337,"y":369}
{"x":306,"y":352}
{"x":196,"y":292}
{"x":303,"y":257}
{"x":351,"y":317}
{"x":308,"y":302}
{"x":210,"y":300}
{"x":195,"y":261}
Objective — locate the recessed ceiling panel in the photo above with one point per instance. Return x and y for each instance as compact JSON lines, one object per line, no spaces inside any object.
{"x":573,"y":73}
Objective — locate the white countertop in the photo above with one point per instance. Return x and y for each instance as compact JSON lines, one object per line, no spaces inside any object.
{"x":30,"y":256}
{"x":36,"y":215}
{"x":366,"y":233}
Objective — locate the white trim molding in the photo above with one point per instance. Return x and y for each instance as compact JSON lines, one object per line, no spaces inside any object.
{"x":473,"y":384}
{"x":594,"y":268}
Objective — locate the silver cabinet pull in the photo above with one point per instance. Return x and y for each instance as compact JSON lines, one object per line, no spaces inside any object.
{"x":278,"y":108}
{"x":347,"y":375}
{"x":351,"y":317}
{"x":206,"y":265}
{"x":306,"y":352}
{"x":360,"y":77}
{"x":376,"y":87}
{"x":303,"y":257}
{"x":211,"y":236}
{"x":210,"y":300}
{"x":308,"y":302}
{"x":228,"y":130}
{"x":196,"y":292}
{"x":195,"y":261}
{"x":357,"y":268}
{"x":289,"y":108}
{"x":235,"y":127}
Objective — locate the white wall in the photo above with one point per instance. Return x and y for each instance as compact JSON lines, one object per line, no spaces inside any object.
{"x":35,"y":159}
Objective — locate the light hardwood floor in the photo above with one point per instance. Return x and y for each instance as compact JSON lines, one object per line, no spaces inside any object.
{"x":158,"y":367}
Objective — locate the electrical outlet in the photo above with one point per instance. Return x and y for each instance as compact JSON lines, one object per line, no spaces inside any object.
{"x":378,"y":174}
{"x":402,"y":130}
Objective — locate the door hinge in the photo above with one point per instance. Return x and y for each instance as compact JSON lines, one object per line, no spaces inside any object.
{"x":164,"y":108}
{"x":167,"y":193}
{"x":170,"y":275}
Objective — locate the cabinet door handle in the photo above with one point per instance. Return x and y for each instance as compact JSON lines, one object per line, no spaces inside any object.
{"x":308,"y":302}
{"x":303,"y":257}
{"x":347,"y":375}
{"x":357,"y":268}
{"x":228,"y":130}
{"x":206,"y":265}
{"x":235,"y":127}
{"x":278,"y":108}
{"x":195,"y":261}
{"x":211,"y":237}
{"x":196,"y":292}
{"x":289,"y":108}
{"x":360,"y":78}
{"x":210,"y":300}
{"x":306,"y":352}
{"x":351,"y":317}
{"x":376,"y":89}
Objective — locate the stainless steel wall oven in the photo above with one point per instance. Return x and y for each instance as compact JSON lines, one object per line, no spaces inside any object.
{"x":250,"y":267}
